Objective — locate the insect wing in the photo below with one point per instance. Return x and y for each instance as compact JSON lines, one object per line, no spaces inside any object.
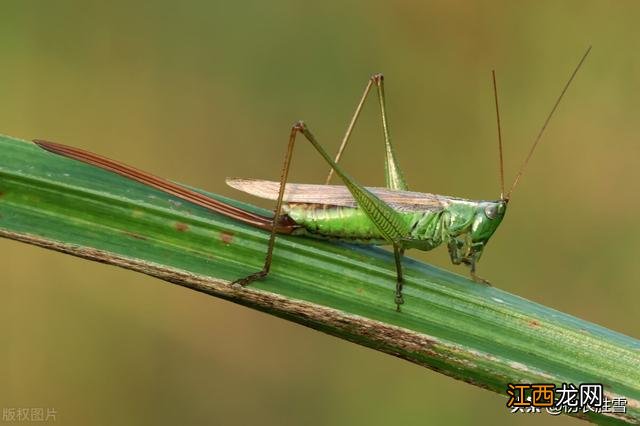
{"x":337,"y":195}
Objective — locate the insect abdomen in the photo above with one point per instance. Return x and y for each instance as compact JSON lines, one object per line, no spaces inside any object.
{"x":353,"y":225}
{"x":344,"y":223}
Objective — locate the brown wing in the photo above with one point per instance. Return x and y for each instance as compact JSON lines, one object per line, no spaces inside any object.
{"x":337,"y":195}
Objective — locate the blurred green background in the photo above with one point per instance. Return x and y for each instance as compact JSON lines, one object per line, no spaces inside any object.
{"x":197,"y":91}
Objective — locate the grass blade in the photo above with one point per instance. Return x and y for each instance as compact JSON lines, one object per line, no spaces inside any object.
{"x":481,"y":335}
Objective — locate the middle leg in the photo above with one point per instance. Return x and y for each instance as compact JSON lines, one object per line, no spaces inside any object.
{"x":398,"y":252}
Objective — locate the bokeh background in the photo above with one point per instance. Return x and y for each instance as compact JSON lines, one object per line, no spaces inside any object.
{"x":200,"y":90}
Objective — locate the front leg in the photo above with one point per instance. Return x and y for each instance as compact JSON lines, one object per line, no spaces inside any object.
{"x":456,"y":248}
{"x":465,"y":252}
{"x":472,"y":265}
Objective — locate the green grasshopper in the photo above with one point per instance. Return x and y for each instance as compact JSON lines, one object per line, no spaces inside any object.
{"x":378,"y":216}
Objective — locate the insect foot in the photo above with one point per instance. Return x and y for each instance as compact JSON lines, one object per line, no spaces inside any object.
{"x":399,"y":301}
{"x":243,"y":282}
{"x":480,"y":280}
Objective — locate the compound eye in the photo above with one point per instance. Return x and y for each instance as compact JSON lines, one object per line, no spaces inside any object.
{"x":491,"y":211}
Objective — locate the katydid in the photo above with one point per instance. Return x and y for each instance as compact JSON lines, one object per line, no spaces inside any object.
{"x":391,"y":216}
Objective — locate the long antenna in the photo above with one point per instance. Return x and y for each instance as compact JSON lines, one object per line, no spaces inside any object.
{"x":495,"y":96}
{"x":546,"y":122}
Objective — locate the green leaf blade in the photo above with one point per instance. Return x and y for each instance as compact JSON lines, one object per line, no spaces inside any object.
{"x":481,"y":335}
